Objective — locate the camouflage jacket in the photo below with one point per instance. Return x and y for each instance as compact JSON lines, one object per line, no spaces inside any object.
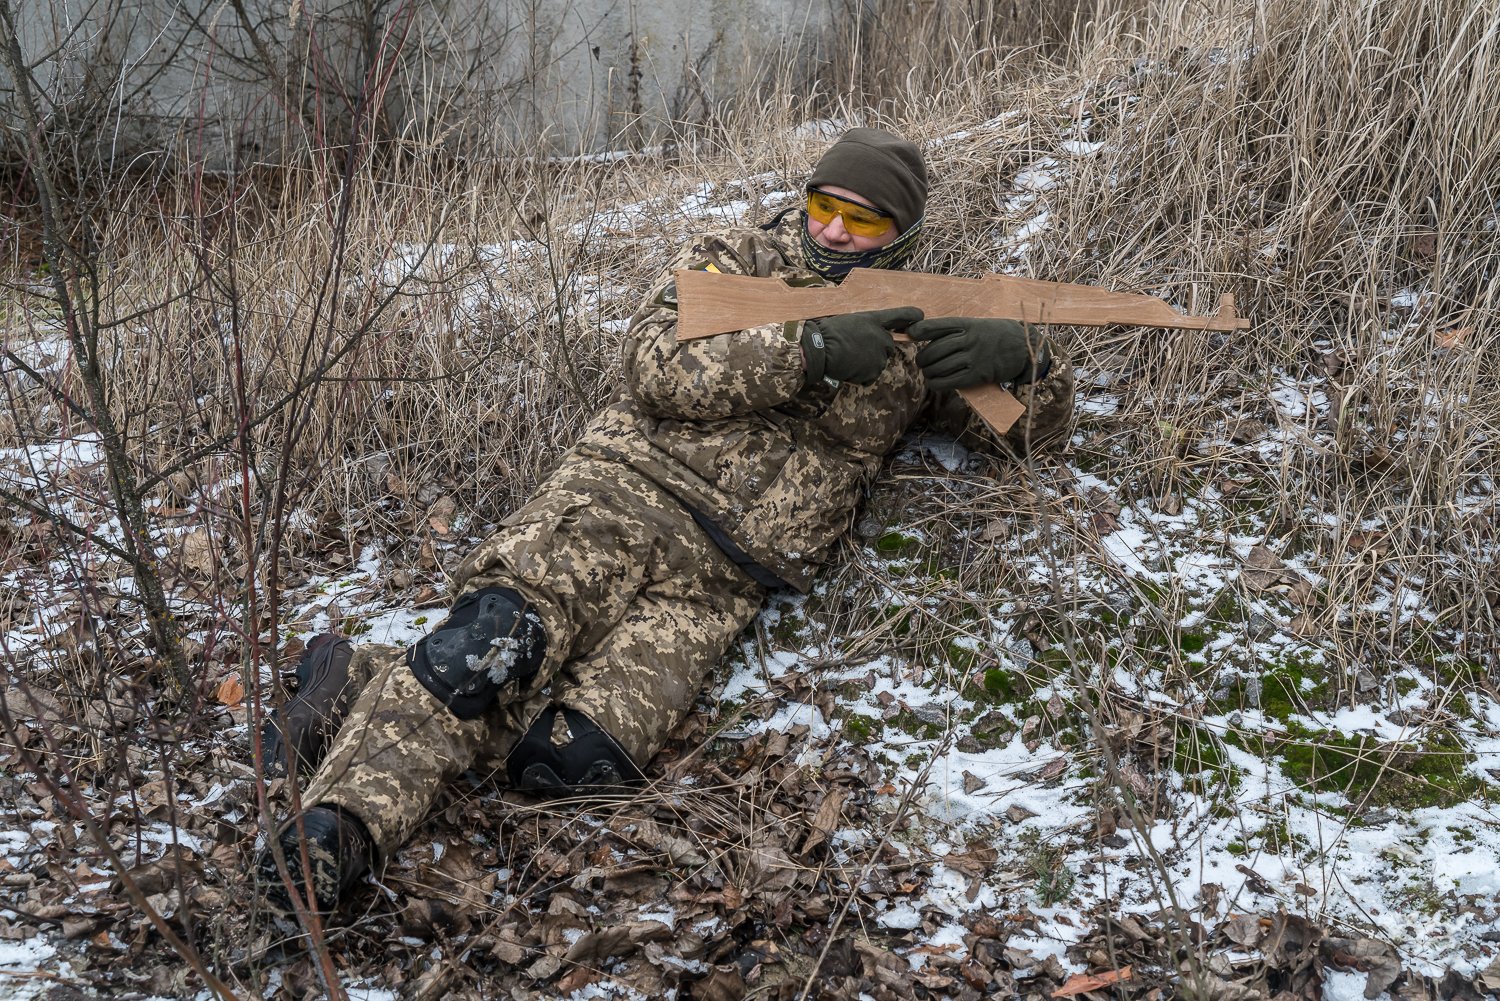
{"x":727,"y":425}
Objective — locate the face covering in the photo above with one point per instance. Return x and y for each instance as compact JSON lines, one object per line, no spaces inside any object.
{"x":835,"y":264}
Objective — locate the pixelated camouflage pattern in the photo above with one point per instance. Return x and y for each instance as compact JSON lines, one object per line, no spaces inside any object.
{"x":396,"y":749}
{"x":1049,"y":410}
{"x":727,"y":424}
{"x":637,"y":602}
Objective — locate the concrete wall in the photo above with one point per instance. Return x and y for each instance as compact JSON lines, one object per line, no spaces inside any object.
{"x":238,"y":80}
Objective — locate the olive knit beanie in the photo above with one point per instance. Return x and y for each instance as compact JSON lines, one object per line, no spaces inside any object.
{"x":881,"y":166}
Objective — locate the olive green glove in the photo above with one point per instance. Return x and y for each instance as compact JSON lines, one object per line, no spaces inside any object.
{"x":964,"y":351}
{"x":853,"y":347}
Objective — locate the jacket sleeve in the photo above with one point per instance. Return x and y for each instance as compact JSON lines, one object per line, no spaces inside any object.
{"x":1048,"y":418}
{"x":712,"y":377}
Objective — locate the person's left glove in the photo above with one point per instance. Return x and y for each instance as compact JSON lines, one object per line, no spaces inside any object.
{"x":964,"y":351}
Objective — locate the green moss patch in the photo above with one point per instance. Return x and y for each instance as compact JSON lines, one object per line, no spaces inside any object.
{"x":1372,"y":773}
{"x":897,"y":544}
{"x":1282,"y":690}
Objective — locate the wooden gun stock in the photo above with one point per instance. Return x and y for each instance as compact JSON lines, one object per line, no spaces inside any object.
{"x":711,"y":303}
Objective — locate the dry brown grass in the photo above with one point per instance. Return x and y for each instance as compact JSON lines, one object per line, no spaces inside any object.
{"x":290,"y":390}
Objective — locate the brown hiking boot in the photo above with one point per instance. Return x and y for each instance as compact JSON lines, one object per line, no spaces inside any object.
{"x":302,"y":730}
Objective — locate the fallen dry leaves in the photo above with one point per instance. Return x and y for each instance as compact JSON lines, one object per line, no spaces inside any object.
{"x":1083,"y":983}
{"x":230,"y":692}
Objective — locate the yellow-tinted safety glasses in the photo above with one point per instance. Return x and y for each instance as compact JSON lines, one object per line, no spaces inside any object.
{"x":859,"y":220}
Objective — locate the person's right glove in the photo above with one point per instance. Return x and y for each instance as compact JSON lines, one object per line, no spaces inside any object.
{"x":853,"y":347}
{"x":964,"y":351}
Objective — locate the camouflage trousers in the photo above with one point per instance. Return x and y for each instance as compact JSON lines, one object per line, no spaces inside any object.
{"x":637,"y":603}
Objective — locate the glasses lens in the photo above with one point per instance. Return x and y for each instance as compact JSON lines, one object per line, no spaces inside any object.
{"x":822,"y":207}
{"x":858,"y":220}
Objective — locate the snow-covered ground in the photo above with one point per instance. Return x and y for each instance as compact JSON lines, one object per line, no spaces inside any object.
{"x":998,"y":744}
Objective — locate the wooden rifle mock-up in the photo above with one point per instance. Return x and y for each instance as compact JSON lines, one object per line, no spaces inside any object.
{"x":710,"y":303}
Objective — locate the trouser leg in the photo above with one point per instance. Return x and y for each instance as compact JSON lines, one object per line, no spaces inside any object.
{"x":614,"y":707}
{"x":637,"y":605}
{"x":643,"y":678}
{"x":595,"y":536}
{"x":396,"y":750}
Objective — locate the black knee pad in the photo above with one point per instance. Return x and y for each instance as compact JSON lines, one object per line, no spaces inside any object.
{"x":490,"y":638}
{"x":588,"y":760}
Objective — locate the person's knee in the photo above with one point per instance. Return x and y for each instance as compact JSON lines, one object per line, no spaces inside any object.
{"x":565,"y":752}
{"x":490,"y":638}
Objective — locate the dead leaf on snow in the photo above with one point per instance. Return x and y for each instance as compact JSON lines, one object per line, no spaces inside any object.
{"x":1083,"y":983}
{"x":198,"y":552}
{"x":1367,"y":955}
{"x":1265,"y":571}
{"x":1016,"y":813}
{"x":1261,"y":558}
{"x":230,"y":692}
{"x":440,"y":515}
{"x":826,"y":820}
{"x":617,"y":941}
{"x":723,"y":983}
